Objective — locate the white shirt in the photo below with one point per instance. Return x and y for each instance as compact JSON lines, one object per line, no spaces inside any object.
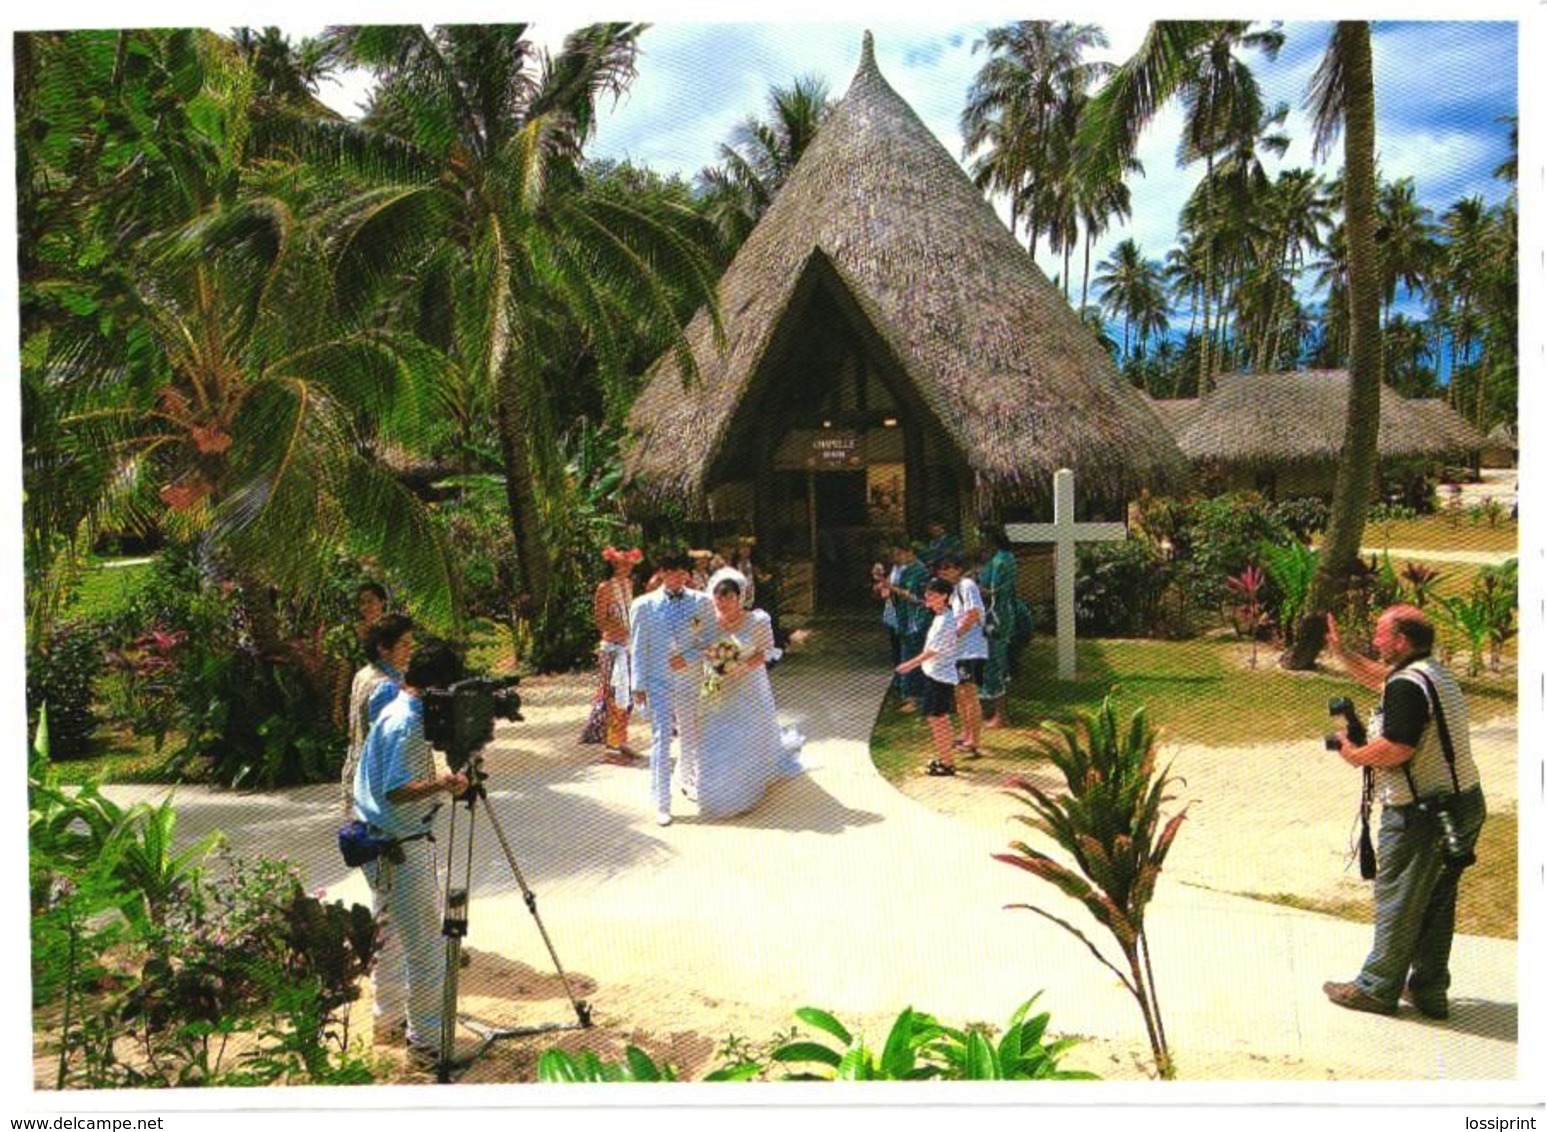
{"x":941,"y":640}
{"x":965,"y":598}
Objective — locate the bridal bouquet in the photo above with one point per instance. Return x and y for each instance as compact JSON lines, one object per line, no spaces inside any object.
{"x":718,"y":659}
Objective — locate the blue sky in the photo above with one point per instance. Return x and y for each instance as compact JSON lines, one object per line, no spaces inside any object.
{"x":1439,"y":87}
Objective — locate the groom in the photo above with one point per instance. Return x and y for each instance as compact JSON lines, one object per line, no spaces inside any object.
{"x":672,"y":625}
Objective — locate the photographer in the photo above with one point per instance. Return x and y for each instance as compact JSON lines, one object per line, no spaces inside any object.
{"x":397,"y":789}
{"x":1432,"y":808}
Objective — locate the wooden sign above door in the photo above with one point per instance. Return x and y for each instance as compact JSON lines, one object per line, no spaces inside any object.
{"x":834,"y":448}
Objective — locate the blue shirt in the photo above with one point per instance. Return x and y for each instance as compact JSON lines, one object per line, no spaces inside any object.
{"x":384,"y":693}
{"x":395,"y":754}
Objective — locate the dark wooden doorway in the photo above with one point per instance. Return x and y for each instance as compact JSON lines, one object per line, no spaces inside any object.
{"x":845,"y":541}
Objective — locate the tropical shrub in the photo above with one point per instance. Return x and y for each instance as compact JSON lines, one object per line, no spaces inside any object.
{"x":1118,"y":588}
{"x":1487,"y":614}
{"x":1302,"y":517}
{"x":1290,"y":566}
{"x":1247,"y":590}
{"x":146,"y":962}
{"x":63,"y":673}
{"x":1216,"y":538}
{"x":1418,"y":579}
{"x":1389,"y":513}
{"x":1109,"y":823}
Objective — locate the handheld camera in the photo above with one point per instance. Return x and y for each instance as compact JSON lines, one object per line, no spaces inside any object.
{"x":1343,"y":706}
{"x":459,"y":719}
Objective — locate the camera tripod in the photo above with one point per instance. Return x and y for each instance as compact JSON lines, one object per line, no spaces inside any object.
{"x":454,"y":928}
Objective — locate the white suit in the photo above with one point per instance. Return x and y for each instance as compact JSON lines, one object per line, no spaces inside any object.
{"x":665,"y":626}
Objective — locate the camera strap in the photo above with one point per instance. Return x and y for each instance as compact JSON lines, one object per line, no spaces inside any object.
{"x":1366,"y":846}
{"x":1445,"y":744}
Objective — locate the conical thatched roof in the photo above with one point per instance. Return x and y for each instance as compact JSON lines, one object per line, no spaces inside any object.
{"x":878,"y":207}
{"x":1281,"y":418}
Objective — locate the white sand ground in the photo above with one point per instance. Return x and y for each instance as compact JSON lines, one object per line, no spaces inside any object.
{"x":845,"y":892}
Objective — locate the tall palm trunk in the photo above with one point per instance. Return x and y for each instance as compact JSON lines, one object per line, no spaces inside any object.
{"x":1085,"y":282}
{"x":514,"y":413}
{"x":1356,"y":469}
{"x":1206,"y":359}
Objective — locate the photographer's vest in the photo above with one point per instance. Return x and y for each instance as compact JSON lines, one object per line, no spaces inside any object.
{"x":1429,"y":771}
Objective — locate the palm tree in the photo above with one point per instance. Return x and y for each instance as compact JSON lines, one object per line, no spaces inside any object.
{"x":1098,"y":203}
{"x":1408,"y":351}
{"x":210,"y":388}
{"x":1299,"y":215}
{"x":1130,"y":286}
{"x":761,"y":155}
{"x":1021,"y":109}
{"x":1406,"y":241}
{"x":1197,"y":61}
{"x":1342,"y":98}
{"x":483,"y":223}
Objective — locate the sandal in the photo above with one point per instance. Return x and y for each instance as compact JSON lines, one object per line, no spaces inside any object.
{"x":969,"y":752}
{"x":938,"y":769}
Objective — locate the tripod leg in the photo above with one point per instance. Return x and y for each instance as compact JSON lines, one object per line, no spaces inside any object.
{"x":453,"y":928}
{"x":581,"y":1007}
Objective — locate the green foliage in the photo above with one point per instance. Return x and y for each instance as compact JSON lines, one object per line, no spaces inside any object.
{"x":1118,"y":588}
{"x":1302,"y":516}
{"x":1217,"y":537}
{"x":70,"y":830}
{"x":1487,"y":614}
{"x":1108,"y":822}
{"x":1490,"y":512}
{"x":1389,"y":512}
{"x":557,"y":1065}
{"x":1291,"y":566}
{"x":477,"y":523}
{"x":63,"y":673}
{"x":147,"y":963}
{"x":917,"y":1048}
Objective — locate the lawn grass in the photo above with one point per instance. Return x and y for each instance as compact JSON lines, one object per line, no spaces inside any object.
{"x":1203,"y":690}
{"x":104,"y":590}
{"x":119,"y":755}
{"x":1443,"y":532}
{"x":1196,"y":691}
{"x":1488,"y":901}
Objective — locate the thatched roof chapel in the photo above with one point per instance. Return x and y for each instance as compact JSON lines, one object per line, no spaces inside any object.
{"x":879,"y":229}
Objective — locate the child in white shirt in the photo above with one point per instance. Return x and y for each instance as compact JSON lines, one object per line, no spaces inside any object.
{"x":938,"y":660}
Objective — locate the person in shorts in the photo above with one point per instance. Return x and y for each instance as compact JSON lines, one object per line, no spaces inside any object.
{"x":972,"y":652}
{"x":938,"y":664}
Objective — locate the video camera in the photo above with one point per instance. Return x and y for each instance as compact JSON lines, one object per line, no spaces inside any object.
{"x":1342,"y":705}
{"x":459,"y":719}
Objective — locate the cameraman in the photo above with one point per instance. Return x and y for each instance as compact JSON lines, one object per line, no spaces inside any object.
{"x":1419,"y":860}
{"x":397,"y":788}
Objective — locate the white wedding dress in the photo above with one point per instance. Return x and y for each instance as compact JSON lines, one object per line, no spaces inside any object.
{"x":743,"y":750}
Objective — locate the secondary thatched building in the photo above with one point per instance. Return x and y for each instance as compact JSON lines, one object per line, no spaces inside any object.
{"x":1282,"y":433}
{"x":1501,"y":447}
{"x":890,"y":353}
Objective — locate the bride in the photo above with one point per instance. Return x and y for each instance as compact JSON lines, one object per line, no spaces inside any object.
{"x":743,"y":750}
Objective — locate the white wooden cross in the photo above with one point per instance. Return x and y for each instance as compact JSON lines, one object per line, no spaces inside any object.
{"x":1063,"y":532}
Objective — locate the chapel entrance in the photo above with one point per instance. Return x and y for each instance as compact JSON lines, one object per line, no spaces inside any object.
{"x":831,"y":453}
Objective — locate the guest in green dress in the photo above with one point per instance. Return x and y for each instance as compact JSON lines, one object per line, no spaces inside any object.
{"x":996,"y":580}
